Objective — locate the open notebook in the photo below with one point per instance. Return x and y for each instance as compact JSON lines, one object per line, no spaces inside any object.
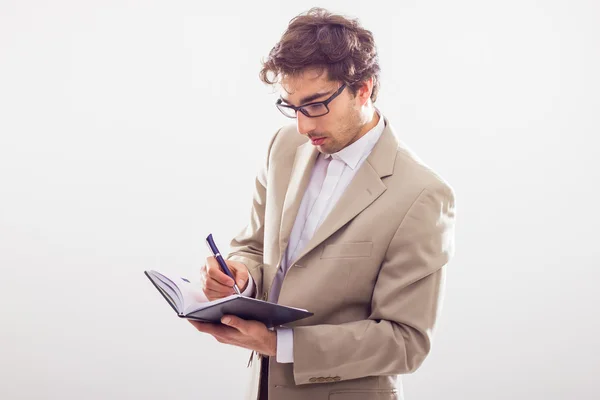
{"x":189,"y":302}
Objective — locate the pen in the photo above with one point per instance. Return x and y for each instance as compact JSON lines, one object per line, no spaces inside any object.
{"x":213,"y":249}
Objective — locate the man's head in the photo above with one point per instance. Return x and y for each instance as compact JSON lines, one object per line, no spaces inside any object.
{"x":326,"y":58}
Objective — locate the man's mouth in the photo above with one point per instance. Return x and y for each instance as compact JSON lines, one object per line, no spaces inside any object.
{"x":317,"y":141}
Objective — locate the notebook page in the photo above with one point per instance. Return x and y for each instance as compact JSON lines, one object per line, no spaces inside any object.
{"x":199,"y":306}
{"x":169,"y":287}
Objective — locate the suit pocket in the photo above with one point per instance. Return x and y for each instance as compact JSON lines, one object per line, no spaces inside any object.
{"x":346,"y":250}
{"x":365,"y":394}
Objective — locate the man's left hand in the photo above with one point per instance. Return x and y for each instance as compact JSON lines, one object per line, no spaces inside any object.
{"x":252,"y":335}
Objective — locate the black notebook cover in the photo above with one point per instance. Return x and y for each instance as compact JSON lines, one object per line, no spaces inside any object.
{"x":247,"y":308}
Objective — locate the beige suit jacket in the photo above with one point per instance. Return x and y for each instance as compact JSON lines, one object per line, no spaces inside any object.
{"x":373,"y":273}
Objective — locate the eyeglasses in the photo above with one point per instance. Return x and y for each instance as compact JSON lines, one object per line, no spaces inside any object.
{"x":311,"y":110}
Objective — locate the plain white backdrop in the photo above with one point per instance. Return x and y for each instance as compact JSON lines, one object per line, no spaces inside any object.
{"x":129,"y":130}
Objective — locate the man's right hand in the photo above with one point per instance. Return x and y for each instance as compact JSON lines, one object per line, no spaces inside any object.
{"x":216,"y":284}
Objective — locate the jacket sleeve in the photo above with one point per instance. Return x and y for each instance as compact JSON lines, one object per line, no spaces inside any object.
{"x":397,"y":336}
{"x":247,"y":246}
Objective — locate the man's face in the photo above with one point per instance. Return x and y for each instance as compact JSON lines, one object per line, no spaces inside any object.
{"x":331,"y":132}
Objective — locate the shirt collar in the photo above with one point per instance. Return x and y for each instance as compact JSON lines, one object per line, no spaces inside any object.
{"x":352,"y":154}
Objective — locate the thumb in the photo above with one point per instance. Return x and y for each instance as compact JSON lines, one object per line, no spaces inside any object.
{"x":241,"y":283}
{"x":235,"y":322}
{"x":241,"y":277}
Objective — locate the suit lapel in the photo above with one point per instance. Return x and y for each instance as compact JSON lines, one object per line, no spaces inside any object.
{"x":364,"y":189}
{"x":305,"y":159}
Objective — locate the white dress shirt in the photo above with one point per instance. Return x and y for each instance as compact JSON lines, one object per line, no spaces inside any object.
{"x":330,"y":176}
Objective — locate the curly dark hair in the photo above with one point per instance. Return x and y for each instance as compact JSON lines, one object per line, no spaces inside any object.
{"x":322,"y":40}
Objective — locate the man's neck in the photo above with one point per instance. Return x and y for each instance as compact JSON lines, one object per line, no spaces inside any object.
{"x":370,"y":123}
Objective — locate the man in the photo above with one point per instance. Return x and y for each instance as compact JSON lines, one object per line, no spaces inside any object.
{"x":346,"y":222}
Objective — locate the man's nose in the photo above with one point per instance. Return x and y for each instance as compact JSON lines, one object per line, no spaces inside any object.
{"x":305,"y":124}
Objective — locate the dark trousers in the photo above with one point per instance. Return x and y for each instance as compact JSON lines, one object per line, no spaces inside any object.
{"x":264,"y":379}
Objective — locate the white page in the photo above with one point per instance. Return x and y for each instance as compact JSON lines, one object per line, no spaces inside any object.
{"x":199,"y":306}
{"x":190,"y":292}
{"x":169,"y":286}
{"x":193,"y":296}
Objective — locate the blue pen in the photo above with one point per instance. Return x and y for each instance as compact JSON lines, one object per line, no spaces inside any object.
{"x":213,"y":248}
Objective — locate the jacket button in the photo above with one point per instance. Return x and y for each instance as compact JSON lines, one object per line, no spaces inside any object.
{"x":337,"y":378}
{"x":320,"y":379}
{"x":312,"y":380}
{"x":329,"y":379}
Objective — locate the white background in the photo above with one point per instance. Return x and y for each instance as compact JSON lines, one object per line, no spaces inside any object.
{"x":129,"y":130}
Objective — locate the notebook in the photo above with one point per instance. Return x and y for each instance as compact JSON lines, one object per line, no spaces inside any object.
{"x":189,"y":302}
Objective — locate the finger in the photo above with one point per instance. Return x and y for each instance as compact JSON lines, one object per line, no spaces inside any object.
{"x":195,"y":323}
{"x":212,"y":295}
{"x":237,"y":323}
{"x":203,"y":275}
{"x":215,"y":286}
{"x":222,"y":334}
{"x":241,"y":277}
{"x":205,"y":327}
{"x":214,"y":329}
{"x":214,"y":272}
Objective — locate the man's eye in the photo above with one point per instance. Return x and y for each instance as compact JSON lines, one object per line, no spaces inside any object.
{"x":314,"y":108}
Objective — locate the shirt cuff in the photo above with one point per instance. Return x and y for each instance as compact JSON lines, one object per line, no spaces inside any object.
{"x":249,"y":288}
{"x":285,"y":345}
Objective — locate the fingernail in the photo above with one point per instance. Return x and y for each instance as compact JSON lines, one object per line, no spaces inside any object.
{"x":226,"y":320}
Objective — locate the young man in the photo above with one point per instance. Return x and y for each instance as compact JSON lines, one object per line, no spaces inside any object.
{"x":346,"y":222}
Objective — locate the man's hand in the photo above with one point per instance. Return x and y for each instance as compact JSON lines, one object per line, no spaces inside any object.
{"x":251,"y":335}
{"x":216,"y":284}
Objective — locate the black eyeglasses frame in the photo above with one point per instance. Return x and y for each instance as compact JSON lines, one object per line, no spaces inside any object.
{"x":279,"y":104}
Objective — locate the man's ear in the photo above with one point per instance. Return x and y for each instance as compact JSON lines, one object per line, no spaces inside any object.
{"x":364,"y":91}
